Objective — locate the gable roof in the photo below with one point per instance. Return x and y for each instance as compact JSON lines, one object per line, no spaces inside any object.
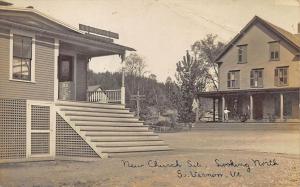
{"x":94,"y":88}
{"x":71,"y":33}
{"x":33,"y":11}
{"x":290,"y":38}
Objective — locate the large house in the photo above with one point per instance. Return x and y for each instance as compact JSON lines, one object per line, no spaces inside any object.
{"x":259,"y":75}
{"x":46,"y":110}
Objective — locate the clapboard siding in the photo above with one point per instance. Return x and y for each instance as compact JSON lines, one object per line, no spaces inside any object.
{"x":42,"y":89}
{"x":81,"y":69}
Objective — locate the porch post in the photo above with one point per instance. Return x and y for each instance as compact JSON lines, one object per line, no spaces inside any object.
{"x":281,"y":106}
{"x":251,"y":107}
{"x":214,"y":109}
{"x":223,"y":107}
{"x":197,"y":111}
{"x":123,"y":80}
{"x":298,"y":103}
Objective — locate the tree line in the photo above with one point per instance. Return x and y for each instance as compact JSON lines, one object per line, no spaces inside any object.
{"x":195,"y":72}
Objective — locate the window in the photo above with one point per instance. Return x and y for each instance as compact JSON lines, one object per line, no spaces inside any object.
{"x":242,"y":54}
{"x":274,"y":50}
{"x":65,"y":72}
{"x":22,"y":58}
{"x":256,"y":78}
{"x":281,"y":76}
{"x":233,"y":79}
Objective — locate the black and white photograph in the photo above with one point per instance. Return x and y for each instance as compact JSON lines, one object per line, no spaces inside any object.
{"x":149,"y":93}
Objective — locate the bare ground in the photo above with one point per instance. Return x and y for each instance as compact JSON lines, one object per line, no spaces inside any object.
{"x":237,"y":152}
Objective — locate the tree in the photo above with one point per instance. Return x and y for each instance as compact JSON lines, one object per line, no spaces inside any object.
{"x":206,"y":51}
{"x":135,"y":65}
{"x":191,"y":79}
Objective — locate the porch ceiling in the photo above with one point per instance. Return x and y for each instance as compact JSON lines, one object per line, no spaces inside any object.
{"x":218,"y":94}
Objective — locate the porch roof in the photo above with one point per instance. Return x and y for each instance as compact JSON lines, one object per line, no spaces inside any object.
{"x":218,"y":94}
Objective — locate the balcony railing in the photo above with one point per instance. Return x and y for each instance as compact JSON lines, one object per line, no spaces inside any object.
{"x":105,"y":96}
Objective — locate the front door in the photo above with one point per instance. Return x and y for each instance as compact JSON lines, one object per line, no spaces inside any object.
{"x":65,"y":77}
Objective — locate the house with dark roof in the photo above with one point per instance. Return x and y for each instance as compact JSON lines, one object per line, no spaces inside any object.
{"x":46,"y":109}
{"x":259,"y":75}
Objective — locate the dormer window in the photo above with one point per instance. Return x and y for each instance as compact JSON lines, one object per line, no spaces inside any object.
{"x":242,"y":54}
{"x":274,"y":49}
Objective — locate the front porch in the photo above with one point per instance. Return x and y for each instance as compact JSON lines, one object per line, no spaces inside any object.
{"x":265,"y":105}
{"x":72,"y":74}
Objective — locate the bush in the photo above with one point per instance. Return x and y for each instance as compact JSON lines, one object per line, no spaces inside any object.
{"x":163,"y":123}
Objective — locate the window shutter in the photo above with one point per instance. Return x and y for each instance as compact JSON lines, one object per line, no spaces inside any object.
{"x":244,"y":56}
{"x":276,"y":77}
{"x":260,"y":78}
{"x":251,"y":78}
{"x":228,"y":80}
{"x":285,"y":76}
{"x":237,"y":79}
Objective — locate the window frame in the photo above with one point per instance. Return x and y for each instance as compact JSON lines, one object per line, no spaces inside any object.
{"x":236,"y":79}
{"x":243,"y":49}
{"x":11,"y":55}
{"x":256,"y":78}
{"x":270,"y":51}
{"x":277,"y":78}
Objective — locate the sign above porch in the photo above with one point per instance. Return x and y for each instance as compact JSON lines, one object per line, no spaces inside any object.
{"x":97,"y":31}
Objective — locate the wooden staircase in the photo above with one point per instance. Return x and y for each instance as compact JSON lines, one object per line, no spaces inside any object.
{"x":109,"y":129}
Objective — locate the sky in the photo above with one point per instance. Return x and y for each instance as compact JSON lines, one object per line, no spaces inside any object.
{"x":162,"y":30}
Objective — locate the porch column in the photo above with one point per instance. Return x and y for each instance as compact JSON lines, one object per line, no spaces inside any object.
{"x":281,"y":106}
{"x":214,"y":109}
{"x":123,"y":80}
{"x":223,"y":107}
{"x":251,"y":108}
{"x":298,"y":103}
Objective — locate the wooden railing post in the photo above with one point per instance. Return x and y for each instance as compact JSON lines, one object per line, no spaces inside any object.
{"x":123,"y":80}
{"x":123,"y":87}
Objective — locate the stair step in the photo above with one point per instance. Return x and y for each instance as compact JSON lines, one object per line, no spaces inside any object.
{"x":90,"y":118}
{"x":125,"y":138}
{"x":96,"y":114}
{"x":87,"y":109}
{"x":109,"y":123}
{"x":130,"y":144}
{"x":105,"y":133}
{"x":91,"y":105}
{"x":134,"y":149}
{"x":105,"y":128}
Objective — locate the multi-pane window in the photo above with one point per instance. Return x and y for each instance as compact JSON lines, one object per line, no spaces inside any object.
{"x":233,"y":79}
{"x":242,"y":54}
{"x":281,"y":76}
{"x":256,"y":78}
{"x":22,"y":56}
{"x":274,"y":49}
